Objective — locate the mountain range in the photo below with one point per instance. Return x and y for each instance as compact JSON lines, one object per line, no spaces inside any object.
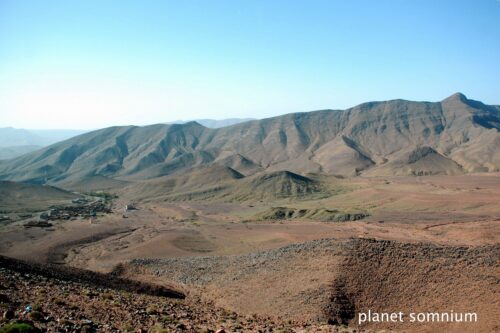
{"x":18,"y":141}
{"x":15,"y":142}
{"x":397,"y":137}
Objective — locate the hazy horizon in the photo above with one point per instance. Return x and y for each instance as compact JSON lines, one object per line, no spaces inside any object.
{"x":88,"y":64}
{"x":181,"y":121}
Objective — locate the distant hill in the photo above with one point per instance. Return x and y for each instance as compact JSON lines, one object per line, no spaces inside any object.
{"x":219,"y":182}
{"x":14,"y":137}
{"x":15,"y":142}
{"x":397,"y":137}
{"x":213,"y":123}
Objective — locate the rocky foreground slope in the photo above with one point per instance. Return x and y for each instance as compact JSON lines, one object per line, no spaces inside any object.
{"x":332,"y":281}
{"x":60,"y":300}
{"x":317,"y":286}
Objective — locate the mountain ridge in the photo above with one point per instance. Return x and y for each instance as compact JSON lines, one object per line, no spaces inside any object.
{"x":366,"y":138}
{"x":213,"y":123}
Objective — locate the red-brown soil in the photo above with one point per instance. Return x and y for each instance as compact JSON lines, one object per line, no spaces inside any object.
{"x":429,"y":244}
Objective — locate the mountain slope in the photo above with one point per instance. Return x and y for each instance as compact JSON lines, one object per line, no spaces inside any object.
{"x":419,"y":162}
{"x":463,"y":134}
{"x":15,"y":151}
{"x":20,"y":197}
{"x":219,"y":182}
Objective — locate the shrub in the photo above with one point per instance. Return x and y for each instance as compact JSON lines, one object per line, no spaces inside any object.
{"x":87,"y":329}
{"x":107,"y":295}
{"x":90,"y":293}
{"x":65,"y":322}
{"x":158,"y":329}
{"x":59,"y":301}
{"x":36,"y":316}
{"x":37,"y":307}
{"x":18,"y":328}
{"x":151,"y":310}
{"x":127,"y":328}
{"x":169,"y":320}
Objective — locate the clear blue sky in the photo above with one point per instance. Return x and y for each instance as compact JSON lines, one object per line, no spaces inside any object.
{"x":89,"y":64}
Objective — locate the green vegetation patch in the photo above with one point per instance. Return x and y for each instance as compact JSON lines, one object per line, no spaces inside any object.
{"x":101,"y":194}
{"x":319,"y":214}
{"x":18,"y":328}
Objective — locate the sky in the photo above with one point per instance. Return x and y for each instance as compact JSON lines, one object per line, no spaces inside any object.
{"x":92,"y":63}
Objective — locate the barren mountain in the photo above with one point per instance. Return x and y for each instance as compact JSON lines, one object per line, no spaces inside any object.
{"x":456,"y":135}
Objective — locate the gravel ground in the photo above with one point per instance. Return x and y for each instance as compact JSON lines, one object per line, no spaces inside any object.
{"x":57,"y":302}
{"x":203,"y":270}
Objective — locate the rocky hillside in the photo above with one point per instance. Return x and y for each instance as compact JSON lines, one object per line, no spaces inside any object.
{"x":385,"y":276}
{"x":39,"y":298}
{"x":327,"y":281}
{"x":453,"y":136}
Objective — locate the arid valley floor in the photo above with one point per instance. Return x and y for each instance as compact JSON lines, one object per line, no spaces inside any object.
{"x":426,"y":244}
